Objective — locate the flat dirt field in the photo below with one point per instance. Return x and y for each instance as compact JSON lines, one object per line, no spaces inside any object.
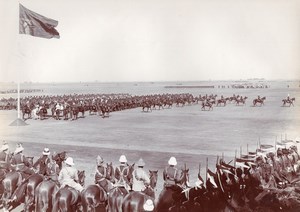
{"x":189,"y":134}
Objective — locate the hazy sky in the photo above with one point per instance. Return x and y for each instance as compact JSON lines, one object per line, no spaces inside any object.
{"x":153,"y":40}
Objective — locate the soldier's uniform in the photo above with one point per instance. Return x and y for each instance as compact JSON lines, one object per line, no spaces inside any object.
{"x":122,"y":173}
{"x":4,"y":157}
{"x":20,"y":163}
{"x":68,"y":176}
{"x":140,"y":179}
{"x":171,"y":174}
{"x":42,"y":163}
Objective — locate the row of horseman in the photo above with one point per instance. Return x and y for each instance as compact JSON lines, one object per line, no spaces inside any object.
{"x":261,"y":181}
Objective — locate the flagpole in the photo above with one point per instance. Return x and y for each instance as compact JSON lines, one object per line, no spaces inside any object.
{"x":18,"y":99}
{"x":18,"y":121}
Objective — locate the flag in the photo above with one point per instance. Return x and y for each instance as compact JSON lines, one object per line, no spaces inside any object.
{"x":34,"y":24}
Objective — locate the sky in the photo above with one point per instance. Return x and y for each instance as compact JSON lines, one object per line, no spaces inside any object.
{"x":157,"y":40}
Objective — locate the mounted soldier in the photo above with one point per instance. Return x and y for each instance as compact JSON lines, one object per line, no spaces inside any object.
{"x":5,"y":157}
{"x":258,"y":98}
{"x":122,"y":174}
{"x":140,"y":178}
{"x":69,"y":175}
{"x":102,"y":175}
{"x":21,"y":163}
{"x":42,"y":163}
{"x":288,"y":98}
{"x":171,"y":174}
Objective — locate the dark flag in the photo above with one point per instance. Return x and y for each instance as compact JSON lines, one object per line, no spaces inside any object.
{"x":34,"y":24}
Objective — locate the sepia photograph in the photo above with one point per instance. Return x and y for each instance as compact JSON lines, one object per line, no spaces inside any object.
{"x":136,"y":105}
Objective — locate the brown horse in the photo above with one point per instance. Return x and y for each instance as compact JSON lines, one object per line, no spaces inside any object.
{"x":26,"y":111}
{"x":260,"y":101}
{"x":107,"y":182}
{"x":59,"y":158}
{"x":208,"y":105}
{"x":93,"y":198}
{"x":173,"y":196}
{"x":33,"y":182}
{"x":44,"y":195}
{"x":117,"y":194}
{"x":42,"y":113}
{"x":221,"y":101}
{"x":288,"y":101}
{"x":241,"y":101}
{"x":67,"y":198}
{"x":136,"y":200}
{"x":10,"y":183}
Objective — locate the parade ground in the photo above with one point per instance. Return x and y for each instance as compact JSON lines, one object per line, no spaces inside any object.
{"x":188,"y":133}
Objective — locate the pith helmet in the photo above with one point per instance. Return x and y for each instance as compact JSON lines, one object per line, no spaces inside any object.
{"x":123,"y":159}
{"x":141,"y":162}
{"x":19,"y":148}
{"x":4,"y":146}
{"x":148,"y":206}
{"x":172,"y":161}
{"x":46,"y":151}
{"x":99,"y":160}
{"x":69,"y":161}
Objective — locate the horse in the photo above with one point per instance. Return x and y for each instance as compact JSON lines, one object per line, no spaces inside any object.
{"x":66,"y":111}
{"x":261,"y":101}
{"x":44,"y":195}
{"x":171,"y":197}
{"x":59,"y":158}
{"x":26,"y":111}
{"x":94,"y":198}
{"x":104,"y":110}
{"x":207,"y":104}
{"x":106,"y":182}
{"x":288,"y":101}
{"x":146,"y":105}
{"x":67,"y":198}
{"x":221,"y":101}
{"x":117,"y":194}
{"x":11,"y":183}
{"x":42,"y":113}
{"x":93,"y":109}
{"x":241,"y":100}
{"x":33,"y":182}
{"x":136,"y":200}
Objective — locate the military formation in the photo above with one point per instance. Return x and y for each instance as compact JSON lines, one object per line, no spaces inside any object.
{"x":72,"y":107}
{"x":268,"y":178}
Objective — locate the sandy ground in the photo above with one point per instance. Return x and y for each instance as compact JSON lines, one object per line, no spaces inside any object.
{"x":189,"y":134}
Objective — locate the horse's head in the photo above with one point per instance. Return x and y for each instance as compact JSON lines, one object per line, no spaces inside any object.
{"x":30,"y":160}
{"x":131,"y":168}
{"x":59,"y":158}
{"x":185,"y":177}
{"x":109,"y":170}
{"x":153,"y":178}
{"x":81,"y":177}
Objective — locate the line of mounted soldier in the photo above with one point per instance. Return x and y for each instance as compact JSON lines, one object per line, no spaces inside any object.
{"x":267,"y":179}
{"x":69,"y":106}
